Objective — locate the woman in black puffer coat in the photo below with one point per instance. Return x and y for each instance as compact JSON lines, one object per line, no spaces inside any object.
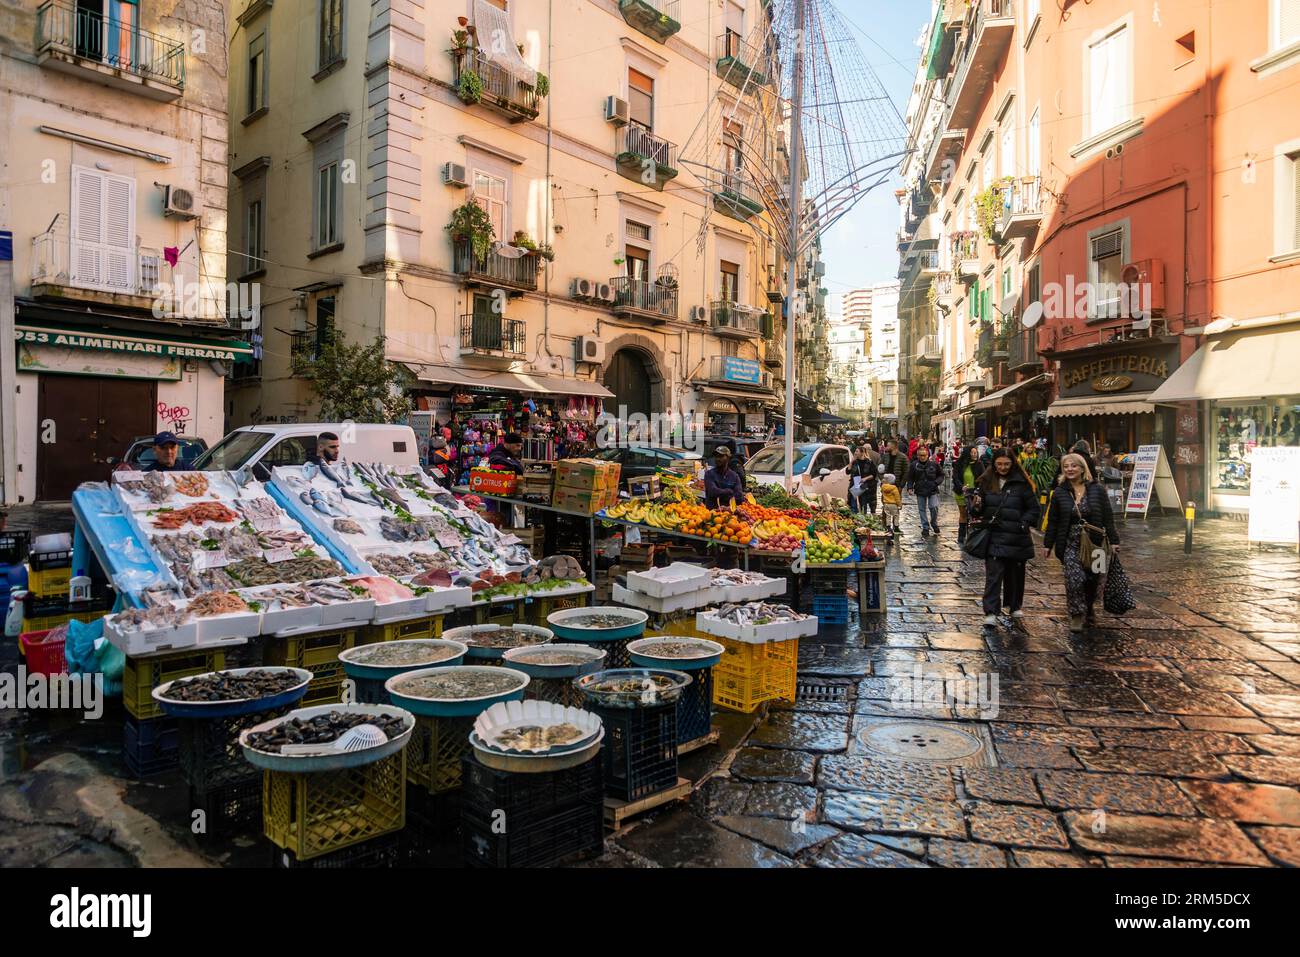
{"x":1078,"y":499}
{"x":1005,"y":499}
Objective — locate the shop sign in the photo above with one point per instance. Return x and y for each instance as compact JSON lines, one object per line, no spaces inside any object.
{"x":735,"y":369}
{"x":1275,"y":495}
{"x":108,"y":343}
{"x":1135,"y":369}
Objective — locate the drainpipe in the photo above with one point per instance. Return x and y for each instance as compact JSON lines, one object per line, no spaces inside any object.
{"x":546,"y":215}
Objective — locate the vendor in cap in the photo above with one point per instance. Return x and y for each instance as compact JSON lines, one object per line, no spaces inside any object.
{"x":506,"y":455}
{"x":166,"y":453}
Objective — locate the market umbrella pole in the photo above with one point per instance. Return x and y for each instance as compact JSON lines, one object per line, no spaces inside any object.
{"x":796,"y":183}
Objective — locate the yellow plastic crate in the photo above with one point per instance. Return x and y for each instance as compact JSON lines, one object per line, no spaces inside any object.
{"x":313,"y":814}
{"x":141,"y":675}
{"x":49,"y":582}
{"x":400,"y":630}
{"x":540,"y":608}
{"x":433,"y":756}
{"x":749,"y":674}
{"x":310,"y":651}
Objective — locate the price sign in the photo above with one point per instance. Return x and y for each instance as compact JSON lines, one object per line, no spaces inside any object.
{"x":216,"y":558}
{"x":509,"y":539}
{"x":130,"y":476}
{"x":265,"y":523}
{"x":282,"y":554}
{"x":448,"y":539}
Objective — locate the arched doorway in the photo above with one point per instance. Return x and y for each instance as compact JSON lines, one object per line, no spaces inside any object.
{"x":628,"y":377}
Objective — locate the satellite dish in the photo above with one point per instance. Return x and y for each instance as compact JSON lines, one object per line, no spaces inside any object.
{"x":1033,"y":315}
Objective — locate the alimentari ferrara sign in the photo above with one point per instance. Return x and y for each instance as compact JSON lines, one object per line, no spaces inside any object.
{"x":102,"y":343}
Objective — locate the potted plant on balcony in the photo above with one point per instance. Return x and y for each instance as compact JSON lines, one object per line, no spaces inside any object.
{"x":471,"y":222}
{"x":989,"y":205}
{"x":470,"y":87}
{"x":542,"y":86}
{"x":460,"y":40}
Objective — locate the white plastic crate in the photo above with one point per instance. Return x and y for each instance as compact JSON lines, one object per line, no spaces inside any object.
{"x":679,"y":578}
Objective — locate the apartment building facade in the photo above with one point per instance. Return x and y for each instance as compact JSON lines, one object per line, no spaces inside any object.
{"x":114,"y":190}
{"x":371,"y":145}
{"x":1067,"y":154}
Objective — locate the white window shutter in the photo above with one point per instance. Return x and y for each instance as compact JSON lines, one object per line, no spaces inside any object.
{"x":86,"y":245}
{"x":1288,"y":22}
{"x":119,"y":233}
{"x":1295,"y":180}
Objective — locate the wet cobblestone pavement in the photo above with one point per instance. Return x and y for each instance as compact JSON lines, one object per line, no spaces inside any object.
{"x":1167,"y":737}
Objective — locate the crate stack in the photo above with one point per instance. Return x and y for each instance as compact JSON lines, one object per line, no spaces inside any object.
{"x":585,"y":485}
{"x":13,"y":568}
{"x":221,"y":782}
{"x":759,"y":663}
{"x":318,"y":653}
{"x":47,"y":603}
{"x":151,"y":739}
{"x":830,"y":594}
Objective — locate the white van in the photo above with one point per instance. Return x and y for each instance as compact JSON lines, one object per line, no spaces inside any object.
{"x":262,"y":447}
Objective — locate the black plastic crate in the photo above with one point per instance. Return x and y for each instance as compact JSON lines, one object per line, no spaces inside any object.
{"x":14,"y":547}
{"x":150,"y":745}
{"x":370,"y":691}
{"x":231,"y":808}
{"x":544,"y":841}
{"x":376,"y":852}
{"x":431,"y":836}
{"x":526,"y":797}
{"x":695,"y":707}
{"x":210,"y":755}
{"x":557,"y":691}
{"x":56,"y":559}
{"x":829,"y":581}
{"x":639,"y":753}
{"x":616,"y":655}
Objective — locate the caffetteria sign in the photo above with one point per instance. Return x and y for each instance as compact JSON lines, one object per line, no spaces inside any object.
{"x":1130,"y":369}
{"x":193,"y":349}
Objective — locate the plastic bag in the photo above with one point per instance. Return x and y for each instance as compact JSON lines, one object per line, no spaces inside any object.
{"x":87,"y":651}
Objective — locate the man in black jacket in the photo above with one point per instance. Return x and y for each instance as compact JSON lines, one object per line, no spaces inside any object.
{"x":506,"y":455}
{"x":925,"y":479}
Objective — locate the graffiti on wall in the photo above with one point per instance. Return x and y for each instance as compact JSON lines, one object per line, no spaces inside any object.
{"x":173,"y":417}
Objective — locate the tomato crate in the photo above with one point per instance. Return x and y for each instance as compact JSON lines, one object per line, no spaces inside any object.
{"x":313,"y":814}
{"x":639,"y":754}
{"x":44,"y":657}
{"x":150,"y":745}
{"x":376,"y":852}
{"x":435,"y":752}
{"x":230,"y":808}
{"x":750,"y":674}
{"x":141,"y":675}
{"x":210,"y":755}
{"x":50,"y":582}
{"x":400,"y":630}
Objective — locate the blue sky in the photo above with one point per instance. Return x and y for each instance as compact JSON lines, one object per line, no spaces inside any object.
{"x":861,"y":249}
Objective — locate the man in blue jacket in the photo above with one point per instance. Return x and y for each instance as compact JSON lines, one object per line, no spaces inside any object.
{"x":722,"y":484}
{"x":925,"y":479}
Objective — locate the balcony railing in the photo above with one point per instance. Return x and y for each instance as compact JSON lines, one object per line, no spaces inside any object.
{"x":965,"y":253}
{"x":740,"y":63}
{"x":60,"y":261}
{"x":305,"y":348}
{"x":735,"y":196}
{"x":644,"y":157}
{"x":495,"y":268}
{"x":734,"y":319}
{"x":491,"y":335}
{"x":928,"y":261}
{"x":502,"y":91}
{"x":929,"y":351}
{"x":1023,"y":351}
{"x":659,"y":19}
{"x":117,"y":52}
{"x":943,"y":284}
{"x":774,"y":353}
{"x":643,"y":297}
{"x":1021,"y":208}
{"x":986,"y":36}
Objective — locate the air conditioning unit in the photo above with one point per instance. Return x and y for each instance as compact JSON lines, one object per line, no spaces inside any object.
{"x":453,"y":174}
{"x":699,"y":314}
{"x":604,"y":292}
{"x":582,"y":289}
{"x":179,"y":203}
{"x":1147,"y":273}
{"x":616,"y":110}
{"x":588,"y":349}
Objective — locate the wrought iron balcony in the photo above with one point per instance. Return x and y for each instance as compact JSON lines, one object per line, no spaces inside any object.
{"x":305,"y":348}
{"x":644,"y":157}
{"x":644,"y":299}
{"x":659,"y":19}
{"x":494,"y":269}
{"x":733,"y":319}
{"x":490,"y":335}
{"x":1023,"y":351}
{"x":986,"y":36}
{"x":965,"y":253}
{"x":928,"y":261}
{"x":929,"y":351}
{"x":735,"y":196}
{"x":109,"y":50}
{"x":774,"y":353}
{"x":61,"y":264}
{"x":501,"y":90}
{"x":740,"y":63}
{"x":1021,"y":208}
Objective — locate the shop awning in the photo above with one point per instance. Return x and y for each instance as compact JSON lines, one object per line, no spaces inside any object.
{"x":142,"y":343}
{"x":1101,"y":405}
{"x":945,"y":416}
{"x":827,"y":418}
{"x":995,"y":399}
{"x":509,"y":381}
{"x":1248,"y":364}
{"x":738,"y":394}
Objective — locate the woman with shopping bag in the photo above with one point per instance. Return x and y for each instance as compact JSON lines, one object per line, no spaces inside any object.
{"x":1003,"y":508}
{"x":862,"y":481}
{"x":1081,"y":531}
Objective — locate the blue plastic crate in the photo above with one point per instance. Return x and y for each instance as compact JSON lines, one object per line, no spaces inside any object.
{"x":150,"y":745}
{"x":695,"y":707}
{"x":831,"y":609}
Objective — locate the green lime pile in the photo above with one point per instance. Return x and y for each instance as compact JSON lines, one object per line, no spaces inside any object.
{"x":818,"y":552}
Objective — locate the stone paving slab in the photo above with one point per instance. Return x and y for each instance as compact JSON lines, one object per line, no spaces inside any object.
{"x":1189,"y":839}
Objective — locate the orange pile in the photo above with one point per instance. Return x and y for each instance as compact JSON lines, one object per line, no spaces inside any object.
{"x":722,"y":524}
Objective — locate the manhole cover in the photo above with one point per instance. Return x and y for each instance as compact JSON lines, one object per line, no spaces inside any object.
{"x":933,"y":742}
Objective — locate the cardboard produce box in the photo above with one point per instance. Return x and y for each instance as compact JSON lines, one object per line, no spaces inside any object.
{"x":587,"y":501}
{"x":587,"y":474}
{"x":490,"y":482}
{"x":645,"y":486}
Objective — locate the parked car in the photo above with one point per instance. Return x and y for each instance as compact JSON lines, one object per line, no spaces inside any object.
{"x":262,"y":447}
{"x":640,"y":461}
{"x":140,"y":455}
{"x":818,"y":468}
{"x":746,"y":447}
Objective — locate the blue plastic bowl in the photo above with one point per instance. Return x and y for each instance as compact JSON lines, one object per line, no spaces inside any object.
{"x":355,"y":669}
{"x":454,"y":707}
{"x":230,"y":709}
{"x":596,"y":663}
{"x":643,"y":660}
{"x":465,"y":635}
{"x":590,"y":636}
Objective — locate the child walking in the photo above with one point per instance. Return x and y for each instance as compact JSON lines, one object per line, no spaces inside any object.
{"x":891,"y":499}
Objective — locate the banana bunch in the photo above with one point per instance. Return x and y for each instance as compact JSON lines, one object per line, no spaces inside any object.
{"x":657,"y":516}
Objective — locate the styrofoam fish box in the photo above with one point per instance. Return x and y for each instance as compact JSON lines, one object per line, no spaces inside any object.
{"x":756,"y":634}
{"x":676,"y":579}
{"x":664,"y":606}
{"x":282,"y":619}
{"x":217,"y":629}
{"x":149,"y":641}
{"x":357,"y":612}
{"x":400,"y":609}
{"x":440,"y":600}
{"x":756,"y":591}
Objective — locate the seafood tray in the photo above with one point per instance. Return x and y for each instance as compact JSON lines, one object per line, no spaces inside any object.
{"x":381,"y":661}
{"x":135,"y":642}
{"x":298,"y":764}
{"x":632,"y":689}
{"x":520,"y":763}
{"x":615,"y":623}
{"x":309,"y":815}
{"x":664,"y":606}
{"x":531,"y":660}
{"x":676,"y":579}
{"x":178,"y":708}
{"x":482,"y":641}
{"x":454,"y":706}
{"x":150,"y":745}
{"x":694,"y":654}
{"x":756,"y":590}
{"x":711,"y":624}
{"x":526,"y":727}
{"x":141,"y":675}
{"x":278,"y":617}
{"x":640,"y":753}
{"x":433,"y":761}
